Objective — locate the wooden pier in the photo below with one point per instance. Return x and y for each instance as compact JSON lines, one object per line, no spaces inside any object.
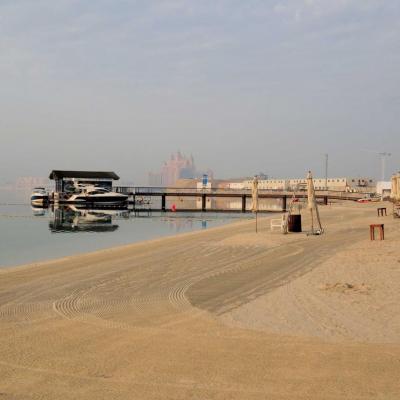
{"x":163,"y":193}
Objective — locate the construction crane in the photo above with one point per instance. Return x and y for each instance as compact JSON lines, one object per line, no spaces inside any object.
{"x":382,"y":155}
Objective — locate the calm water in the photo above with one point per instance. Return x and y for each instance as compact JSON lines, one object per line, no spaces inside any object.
{"x":29,"y":235}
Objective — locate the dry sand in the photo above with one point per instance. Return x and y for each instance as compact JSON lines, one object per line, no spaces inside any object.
{"x":353,"y":295}
{"x":218,"y":314}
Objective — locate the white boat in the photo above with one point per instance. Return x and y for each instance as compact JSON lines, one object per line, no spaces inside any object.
{"x":90,"y":194}
{"x":39,"y":197}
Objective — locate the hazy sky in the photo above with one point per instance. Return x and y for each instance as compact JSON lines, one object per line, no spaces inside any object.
{"x":246,"y":86}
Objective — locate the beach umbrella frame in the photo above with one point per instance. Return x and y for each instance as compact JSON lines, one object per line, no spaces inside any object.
{"x":255,"y":199}
{"x":312,"y":205}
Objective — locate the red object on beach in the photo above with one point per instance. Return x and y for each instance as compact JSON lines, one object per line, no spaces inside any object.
{"x":173,"y":208}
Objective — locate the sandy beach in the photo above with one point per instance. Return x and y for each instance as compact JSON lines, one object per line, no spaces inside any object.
{"x":219,"y":314}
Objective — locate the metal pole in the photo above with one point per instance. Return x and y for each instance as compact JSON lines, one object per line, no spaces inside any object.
{"x":383,"y":163}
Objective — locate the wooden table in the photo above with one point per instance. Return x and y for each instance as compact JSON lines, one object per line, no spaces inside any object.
{"x":380,"y":211}
{"x":381,"y":229}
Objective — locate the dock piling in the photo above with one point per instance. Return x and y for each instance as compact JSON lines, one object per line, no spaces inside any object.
{"x":203,"y":202}
{"x":163,"y":202}
{"x":284,"y":203}
{"x":243,"y":203}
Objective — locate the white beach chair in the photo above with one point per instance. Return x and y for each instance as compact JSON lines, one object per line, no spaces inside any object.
{"x":278,"y":223}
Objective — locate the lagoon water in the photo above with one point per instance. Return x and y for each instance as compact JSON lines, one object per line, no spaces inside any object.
{"x":29,"y":235}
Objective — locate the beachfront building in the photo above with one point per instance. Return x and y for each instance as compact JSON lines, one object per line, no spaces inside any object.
{"x":384,"y":189}
{"x":395,"y":187}
{"x":236,"y":185}
{"x":267,"y":184}
{"x":341,"y":184}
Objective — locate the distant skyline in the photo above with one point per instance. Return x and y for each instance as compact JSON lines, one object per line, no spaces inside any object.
{"x":245,"y":87}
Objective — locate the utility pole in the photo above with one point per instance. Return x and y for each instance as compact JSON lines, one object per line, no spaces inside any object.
{"x":326,"y":171}
{"x":383,"y":156}
{"x":383,"y":161}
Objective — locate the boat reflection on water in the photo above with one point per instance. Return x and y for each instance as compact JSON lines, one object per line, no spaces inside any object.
{"x":76,"y":218}
{"x":185,"y":223}
{"x":69,"y":219}
{"x":38,"y":211}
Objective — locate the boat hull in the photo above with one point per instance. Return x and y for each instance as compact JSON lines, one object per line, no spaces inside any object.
{"x":38,"y":200}
{"x":106,"y":200}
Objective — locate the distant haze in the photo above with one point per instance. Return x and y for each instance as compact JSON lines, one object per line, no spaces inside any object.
{"x":246,"y":86}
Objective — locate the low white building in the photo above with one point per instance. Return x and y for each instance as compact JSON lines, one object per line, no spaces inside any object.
{"x":236,"y":185}
{"x":267,"y":184}
{"x":341,"y":184}
{"x":384,"y":188}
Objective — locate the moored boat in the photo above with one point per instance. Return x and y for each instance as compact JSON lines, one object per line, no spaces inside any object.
{"x":39,"y":197}
{"x":97,"y":195}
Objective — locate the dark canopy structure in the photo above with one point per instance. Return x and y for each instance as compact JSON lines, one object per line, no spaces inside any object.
{"x":57,"y":174}
{"x":65,"y":179}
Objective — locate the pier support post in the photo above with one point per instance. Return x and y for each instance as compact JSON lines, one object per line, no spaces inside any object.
{"x":203,"y":202}
{"x":284,"y":203}
{"x":243,"y":203}
{"x":326,"y":200}
{"x":163,"y":202}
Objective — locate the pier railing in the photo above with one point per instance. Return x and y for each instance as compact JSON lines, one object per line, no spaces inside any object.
{"x":149,"y":190}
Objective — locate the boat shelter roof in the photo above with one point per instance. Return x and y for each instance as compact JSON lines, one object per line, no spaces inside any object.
{"x":57,"y":174}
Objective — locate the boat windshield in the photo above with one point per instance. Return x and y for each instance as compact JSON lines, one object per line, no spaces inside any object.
{"x":98,"y":191}
{"x":39,"y":190}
